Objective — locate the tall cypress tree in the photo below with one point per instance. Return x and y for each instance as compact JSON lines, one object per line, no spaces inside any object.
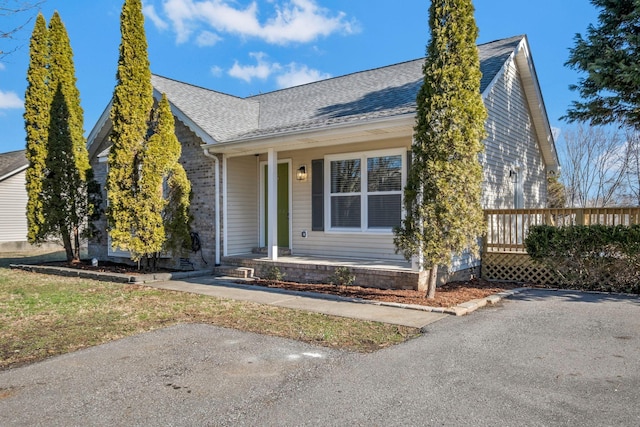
{"x":162,"y":220}
{"x":66,"y":188}
{"x":443,"y":191}
{"x":62,"y":194}
{"x":144,"y":173}
{"x":175,"y":215}
{"x":37,"y":103}
{"x":132,"y":103}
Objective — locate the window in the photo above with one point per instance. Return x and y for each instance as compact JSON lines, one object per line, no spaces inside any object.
{"x":365,"y":191}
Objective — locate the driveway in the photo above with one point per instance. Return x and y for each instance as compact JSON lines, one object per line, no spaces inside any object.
{"x":539,"y":358}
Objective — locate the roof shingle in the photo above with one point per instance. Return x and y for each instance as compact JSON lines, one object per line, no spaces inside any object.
{"x":382,"y":92}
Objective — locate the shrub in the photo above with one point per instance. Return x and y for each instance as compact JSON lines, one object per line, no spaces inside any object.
{"x":342,"y":276}
{"x":273,"y":273}
{"x":595,"y":257}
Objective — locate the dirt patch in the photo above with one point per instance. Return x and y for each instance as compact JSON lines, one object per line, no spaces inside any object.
{"x":448,"y":295}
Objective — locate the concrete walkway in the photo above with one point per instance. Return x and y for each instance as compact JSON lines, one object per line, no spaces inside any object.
{"x":203,"y":282}
{"x":328,"y":304}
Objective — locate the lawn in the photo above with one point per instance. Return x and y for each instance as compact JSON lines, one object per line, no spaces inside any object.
{"x":42,"y":316}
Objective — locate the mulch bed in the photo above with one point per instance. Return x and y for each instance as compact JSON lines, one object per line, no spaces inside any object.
{"x":448,"y":295}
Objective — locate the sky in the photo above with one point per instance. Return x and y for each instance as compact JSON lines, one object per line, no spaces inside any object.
{"x":243,"y":47}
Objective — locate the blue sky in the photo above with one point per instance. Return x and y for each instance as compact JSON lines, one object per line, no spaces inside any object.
{"x":246,"y":47}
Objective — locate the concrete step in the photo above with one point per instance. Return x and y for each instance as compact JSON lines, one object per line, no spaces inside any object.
{"x":233,"y":271}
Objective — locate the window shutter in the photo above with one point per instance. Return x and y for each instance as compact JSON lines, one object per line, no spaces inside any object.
{"x":409,"y":158}
{"x":317,"y":195}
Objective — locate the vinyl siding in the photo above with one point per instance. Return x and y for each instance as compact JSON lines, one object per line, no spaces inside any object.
{"x":13,"y":205}
{"x":334,"y":243}
{"x":242,"y":205}
{"x":511,"y":143}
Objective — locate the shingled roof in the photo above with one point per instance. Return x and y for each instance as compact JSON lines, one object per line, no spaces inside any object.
{"x":11,"y":163}
{"x":379,"y":93}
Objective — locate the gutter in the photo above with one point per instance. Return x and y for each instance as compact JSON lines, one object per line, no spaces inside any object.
{"x":216,"y":162}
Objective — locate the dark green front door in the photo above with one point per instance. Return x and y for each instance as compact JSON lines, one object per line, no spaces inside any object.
{"x":283,"y":204}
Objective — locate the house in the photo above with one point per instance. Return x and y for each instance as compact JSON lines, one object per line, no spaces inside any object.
{"x":13,"y":201}
{"x":318,"y":169}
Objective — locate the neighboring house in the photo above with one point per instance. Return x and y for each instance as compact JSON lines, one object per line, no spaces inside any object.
{"x":319,"y":169}
{"x":13,"y":201}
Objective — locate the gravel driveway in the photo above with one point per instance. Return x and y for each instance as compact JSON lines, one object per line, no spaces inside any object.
{"x":539,"y":358}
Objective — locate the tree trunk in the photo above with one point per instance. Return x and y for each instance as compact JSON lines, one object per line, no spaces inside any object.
{"x":76,"y":244}
{"x":431,"y":287}
{"x":68,"y":247}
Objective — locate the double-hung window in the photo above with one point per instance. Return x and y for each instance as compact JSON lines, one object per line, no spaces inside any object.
{"x":365,"y":190}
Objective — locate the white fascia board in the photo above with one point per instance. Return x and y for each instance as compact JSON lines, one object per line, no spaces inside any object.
{"x":13,"y":172}
{"x":102,"y":120}
{"x":524,"y":62}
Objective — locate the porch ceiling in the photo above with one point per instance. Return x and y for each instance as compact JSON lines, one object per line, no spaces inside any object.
{"x":400,"y":126}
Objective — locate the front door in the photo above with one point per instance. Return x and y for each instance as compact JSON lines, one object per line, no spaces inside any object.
{"x":282,"y":202}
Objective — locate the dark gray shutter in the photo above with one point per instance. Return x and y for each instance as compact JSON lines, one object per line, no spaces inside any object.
{"x":409,"y":158}
{"x":317,"y":195}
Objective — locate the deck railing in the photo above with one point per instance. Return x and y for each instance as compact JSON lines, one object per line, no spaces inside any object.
{"x":507,"y":228}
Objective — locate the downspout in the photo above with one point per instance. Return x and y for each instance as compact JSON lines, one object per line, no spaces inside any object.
{"x":216,"y":170}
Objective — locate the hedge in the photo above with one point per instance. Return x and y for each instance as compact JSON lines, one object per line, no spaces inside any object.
{"x":593,"y":257}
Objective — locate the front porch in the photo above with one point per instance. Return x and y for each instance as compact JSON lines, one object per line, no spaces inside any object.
{"x":385,"y":274}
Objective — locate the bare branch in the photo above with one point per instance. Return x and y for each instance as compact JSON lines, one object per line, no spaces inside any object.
{"x":596,"y":166}
{"x":16,"y":7}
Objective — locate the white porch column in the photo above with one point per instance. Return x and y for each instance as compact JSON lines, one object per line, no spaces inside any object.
{"x":272,"y":204}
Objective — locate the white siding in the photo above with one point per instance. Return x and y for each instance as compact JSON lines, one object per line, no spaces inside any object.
{"x":13,"y":209}
{"x":511,"y":143}
{"x":335,"y":244}
{"x":242,"y":205}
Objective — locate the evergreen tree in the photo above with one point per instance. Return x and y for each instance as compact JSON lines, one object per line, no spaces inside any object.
{"x":162,"y":220}
{"x":443,"y":191}
{"x":148,"y":189}
{"x":609,"y":55}
{"x":61,"y":192}
{"x":37,"y":103}
{"x":132,"y":104}
{"x":66,"y":196}
{"x":62,"y":76}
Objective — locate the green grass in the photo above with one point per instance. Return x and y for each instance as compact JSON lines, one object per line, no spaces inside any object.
{"x":43,"y":315}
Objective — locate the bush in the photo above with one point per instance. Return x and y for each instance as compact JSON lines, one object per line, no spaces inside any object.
{"x":273,"y":273}
{"x":342,"y":276}
{"x":595,"y":257}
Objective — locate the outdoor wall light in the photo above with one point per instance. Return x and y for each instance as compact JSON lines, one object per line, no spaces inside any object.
{"x":301,"y":173}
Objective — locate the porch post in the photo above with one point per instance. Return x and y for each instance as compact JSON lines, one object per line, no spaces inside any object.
{"x":272,"y":205}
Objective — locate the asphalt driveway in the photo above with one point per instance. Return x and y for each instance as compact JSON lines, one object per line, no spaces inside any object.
{"x":539,"y":358}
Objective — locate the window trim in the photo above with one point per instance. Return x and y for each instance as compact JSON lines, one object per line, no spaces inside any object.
{"x":363,"y":156}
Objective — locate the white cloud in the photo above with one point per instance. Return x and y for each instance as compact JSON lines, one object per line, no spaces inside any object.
{"x":216,"y":71}
{"x":2,"y":66}
{"x":9,"y":100}
{"x":207,"y":38}
{"x":298,"y":75}
{"x":262,"y":70}
{"x":293,"y":74}
{"x":150,"y":12}
{"x":292,"y":21}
